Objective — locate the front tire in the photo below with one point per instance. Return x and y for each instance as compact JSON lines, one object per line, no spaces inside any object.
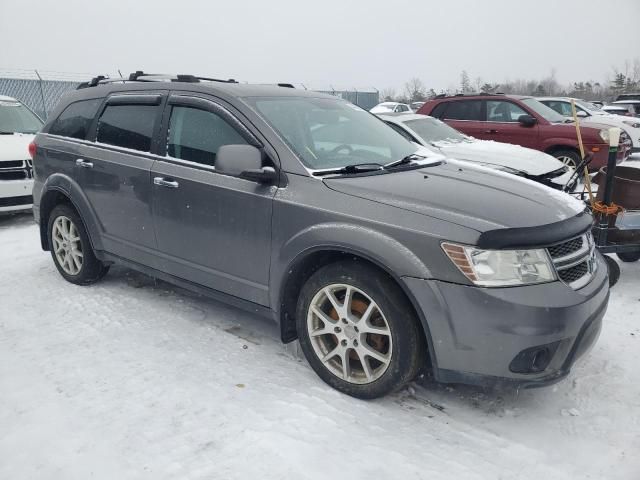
{"x":614,"y":270}
{"x":570,"y":158}
{"x":629,"y":256}
{"x":358,"y":331}
{"x":71,"y":249}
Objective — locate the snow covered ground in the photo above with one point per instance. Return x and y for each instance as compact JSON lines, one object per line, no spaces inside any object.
{"x":136,"y":379}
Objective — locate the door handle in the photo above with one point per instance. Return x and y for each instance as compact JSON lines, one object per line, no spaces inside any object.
{"x":163,"y":182}
{"x":83,"y":163}
{"x":491,"y":131}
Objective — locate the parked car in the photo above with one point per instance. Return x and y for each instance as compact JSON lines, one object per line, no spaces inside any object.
{"x":632,"y":105}
{"x":523,"y":121}
{"x":622,"y":110}
{"x":391,"y":107}
{"x":383,"y":260}
{"x":590,"y":114}
{"x":441,"y":138}
{"x":415,"y":106}
{"x":628,"y":96}
{"x":18,"y":125}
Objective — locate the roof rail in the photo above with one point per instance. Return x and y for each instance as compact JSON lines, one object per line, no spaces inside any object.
{"x":481,"y":94}
{"x":286,"y":85}
{"x":140,"y":76}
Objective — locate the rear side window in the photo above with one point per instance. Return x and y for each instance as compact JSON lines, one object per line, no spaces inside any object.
{"x":438,"y":110}
{"x":129,"y":126}
{"x":464,"y":110}
{"x":75,"y":120}
{"x":196,"y":135}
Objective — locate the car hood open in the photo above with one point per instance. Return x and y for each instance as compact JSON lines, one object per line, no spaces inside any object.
{"x":480,"y":198}
{"x":532,"y":162}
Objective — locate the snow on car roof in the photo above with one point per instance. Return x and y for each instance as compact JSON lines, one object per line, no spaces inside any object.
{"x":5,"y":98}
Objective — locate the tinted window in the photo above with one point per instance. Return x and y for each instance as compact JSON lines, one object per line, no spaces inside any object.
{"x":196,"y":135}
{"x":76,"y":119}
{"x":502,"y":111}
{"x":15,"y":117}
{"x":129,"y":126}
{"x":438,"y":110}
{"x":463,"y":110}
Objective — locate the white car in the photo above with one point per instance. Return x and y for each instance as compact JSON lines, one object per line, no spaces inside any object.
{"x":439,"y":137}
{"x":18,"y":126}
{"x":590,"y":114}
{"x":391,"y":107}
{"x":623,"y":110}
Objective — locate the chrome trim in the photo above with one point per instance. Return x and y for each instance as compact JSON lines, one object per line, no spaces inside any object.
{"x":586,"y":253}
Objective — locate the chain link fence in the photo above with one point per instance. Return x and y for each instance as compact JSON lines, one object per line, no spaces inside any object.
{"x":41,"y":90}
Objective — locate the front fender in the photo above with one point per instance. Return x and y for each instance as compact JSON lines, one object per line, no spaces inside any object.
{"x":368,"y":243}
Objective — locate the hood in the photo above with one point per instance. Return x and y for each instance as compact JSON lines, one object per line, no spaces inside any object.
{"x":462,"y":193}
{"x":527,"y":160}
{"x":15,"y":147}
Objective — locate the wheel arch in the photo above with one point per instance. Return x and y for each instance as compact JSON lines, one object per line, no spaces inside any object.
{"x":308,"y":262}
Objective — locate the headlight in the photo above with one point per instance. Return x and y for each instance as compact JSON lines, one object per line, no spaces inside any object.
{"x":631,"y":123}
{"x":501,"y":268}
{"x":604,"y":135}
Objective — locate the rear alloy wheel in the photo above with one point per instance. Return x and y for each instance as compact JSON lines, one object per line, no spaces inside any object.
{"x":570,"y":158}
{"x":71,"y":249}
{"x":358,"y":331}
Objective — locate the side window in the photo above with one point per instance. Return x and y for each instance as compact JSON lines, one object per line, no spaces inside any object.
{"x":75,"y":120}
{"x":502,"y":111}
{"x":402,"y":108}
{"x":563,"y":108}
{"x":438,"y":110}
{"x":196,"y":135}
{"x":129,"y":126}
{"x":463,"y":110}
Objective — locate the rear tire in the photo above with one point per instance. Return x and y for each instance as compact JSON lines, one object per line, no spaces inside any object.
{"x":351,"y":311}
{"x":571,"y":158}
{"x":71,"y":249}
{"x":614,"y":270}
{"x":629,"y":256}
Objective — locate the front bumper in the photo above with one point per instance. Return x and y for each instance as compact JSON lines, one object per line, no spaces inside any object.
{"x":16,"y":195}
{"x":476,"y":333}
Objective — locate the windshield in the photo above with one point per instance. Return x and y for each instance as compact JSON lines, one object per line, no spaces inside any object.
{"x":433,"y":130}
{"x":16,"y":118}
{"x":545,"y":112}
{"x":327,"y":133}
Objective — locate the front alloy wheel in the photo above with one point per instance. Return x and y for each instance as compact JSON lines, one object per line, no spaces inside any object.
{"x":349,"y":333}
{"x":358,"y":330}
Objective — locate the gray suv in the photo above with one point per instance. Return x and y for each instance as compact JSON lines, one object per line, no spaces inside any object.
{"x":382,"y":259}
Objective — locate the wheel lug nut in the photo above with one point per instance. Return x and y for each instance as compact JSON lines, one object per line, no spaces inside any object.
{"x":344,"y":320}
{"x":337,"y":329}
{"x":344,"y":343}
{"x":355,"y":343}
{"x":356,"y":329}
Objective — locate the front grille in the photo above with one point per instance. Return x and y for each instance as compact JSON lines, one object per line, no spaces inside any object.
{"x":13,"y":201}
{"x":574,"y":260}
{"x":574,"y":273}
{"x":16,"y":170}
{"x":566,"y":248}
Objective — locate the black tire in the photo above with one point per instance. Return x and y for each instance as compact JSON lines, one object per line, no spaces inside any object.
{"x":614,"y":270}
{"x":629,"y":256}
{"x":408,"y":354}
{"x":567,"y":156}
{"x":91,"y":269}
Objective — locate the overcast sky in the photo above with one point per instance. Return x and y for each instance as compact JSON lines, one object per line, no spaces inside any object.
{"x":378,"y":43}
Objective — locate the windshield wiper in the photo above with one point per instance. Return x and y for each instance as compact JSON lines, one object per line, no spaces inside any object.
{"x":2,"y":132}
{"x":349,"y":169}
{"x":404,"y":160}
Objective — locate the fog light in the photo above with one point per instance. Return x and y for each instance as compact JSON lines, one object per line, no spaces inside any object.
{"x":534,"y":359}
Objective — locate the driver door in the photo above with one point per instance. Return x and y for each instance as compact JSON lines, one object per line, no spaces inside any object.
{"x":212,"y":229}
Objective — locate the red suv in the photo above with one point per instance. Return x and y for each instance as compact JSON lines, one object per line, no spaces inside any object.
{"x":523,"y":121}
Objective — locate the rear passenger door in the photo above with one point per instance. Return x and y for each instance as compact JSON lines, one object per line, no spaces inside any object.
{"x":212,"y":229}
{"x":464,"y":115}
{"x":114,"y":172}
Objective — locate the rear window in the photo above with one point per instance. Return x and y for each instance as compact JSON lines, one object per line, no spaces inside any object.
{"x":464,"y":110}
{"x":128,"y":126}
{"x":75,"y":120}
{"x":16,"y":118}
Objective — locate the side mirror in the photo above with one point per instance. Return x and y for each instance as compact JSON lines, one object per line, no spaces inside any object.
{"x":582,"y":114}
{"x":244,"y":161}
{"x":527,"y":120}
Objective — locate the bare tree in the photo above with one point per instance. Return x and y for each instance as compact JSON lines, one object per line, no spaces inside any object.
{"x":415,"y":90}
{"x":465,"y":82}
{"x":388,"y":94}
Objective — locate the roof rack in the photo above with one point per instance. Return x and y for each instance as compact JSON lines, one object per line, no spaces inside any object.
{"x":481,"y":94}
{"x":140,"y":76}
